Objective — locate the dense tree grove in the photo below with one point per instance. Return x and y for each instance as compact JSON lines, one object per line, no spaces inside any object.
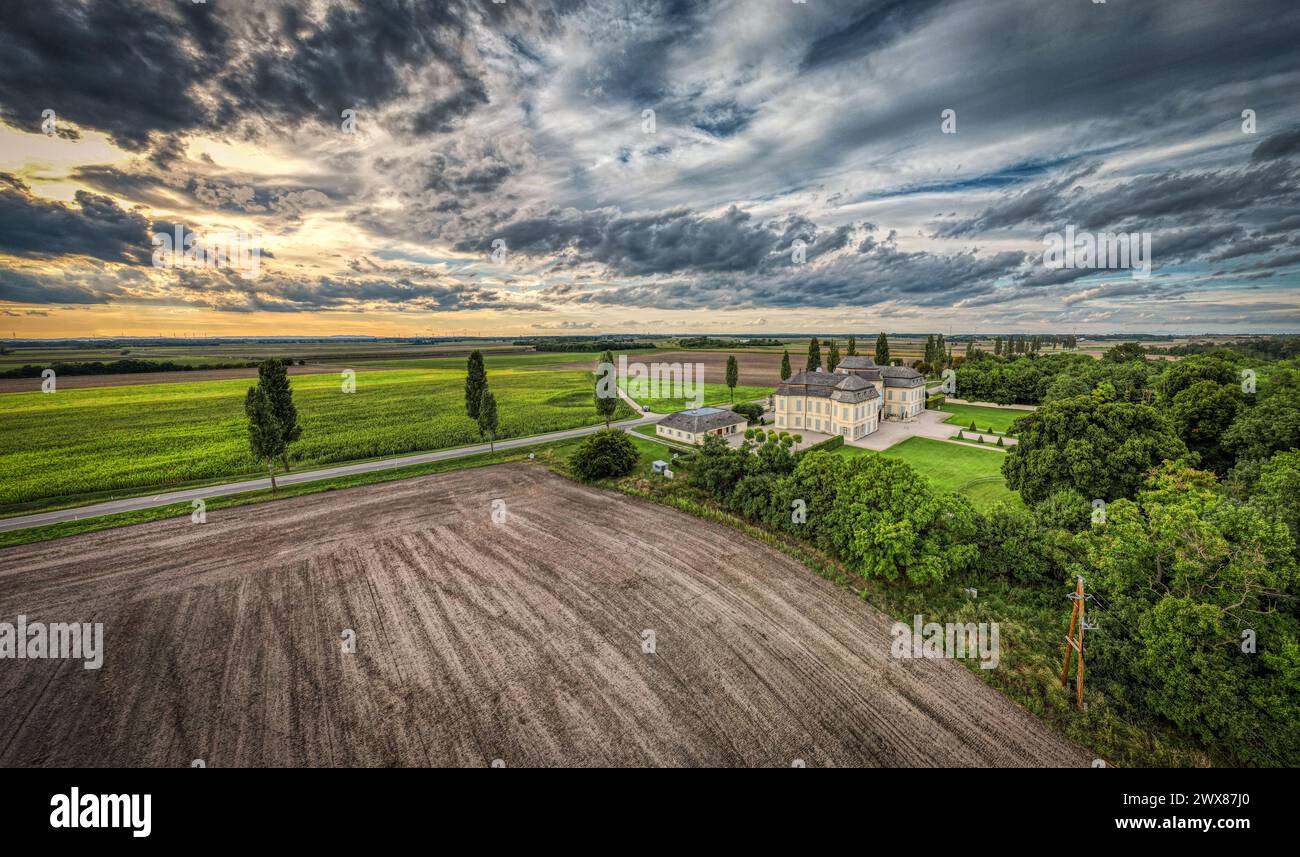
{"x":877,"y":514}
{"x":1099,"y":448}
{"x":1029,"y":380}
{"x":1193,"y":555}
{"x":1199,"y":595}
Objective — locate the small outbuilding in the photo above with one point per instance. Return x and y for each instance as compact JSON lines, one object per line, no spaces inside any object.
{"x":693,"y":425}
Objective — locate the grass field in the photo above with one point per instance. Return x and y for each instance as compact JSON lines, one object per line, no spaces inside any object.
{"x":75,"y":445}
{"x":974,"y":473}
{"x":714,"y":394}
{"x":997,"y":419}
{"x":559,"y":450}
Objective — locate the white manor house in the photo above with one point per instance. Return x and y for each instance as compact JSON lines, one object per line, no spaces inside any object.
{"x":850,"y":401}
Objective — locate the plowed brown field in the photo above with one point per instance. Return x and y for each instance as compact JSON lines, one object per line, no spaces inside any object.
{"x":519,"y":641}
{"x":755,"y":368}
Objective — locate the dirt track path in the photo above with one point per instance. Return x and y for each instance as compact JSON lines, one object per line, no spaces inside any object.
{"x":517,"y":641}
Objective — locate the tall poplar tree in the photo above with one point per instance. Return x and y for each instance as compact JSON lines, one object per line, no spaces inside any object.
{"x":814,"y":356}
{"x":882,"y":349}
{"x":475,"y":384}
{"x":273,"y":378}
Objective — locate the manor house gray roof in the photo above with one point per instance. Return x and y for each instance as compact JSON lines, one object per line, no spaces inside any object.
{"x":839,"y":386}
{"x":901,"y":376}
{"x":699,"y":420}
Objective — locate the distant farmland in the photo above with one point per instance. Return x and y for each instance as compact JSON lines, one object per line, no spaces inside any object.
{"x":74,"y":444}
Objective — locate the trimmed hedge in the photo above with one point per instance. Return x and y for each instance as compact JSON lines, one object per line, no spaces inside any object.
{"x":832,"y":442}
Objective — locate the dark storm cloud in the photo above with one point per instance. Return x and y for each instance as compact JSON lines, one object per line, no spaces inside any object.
{"x":226,"y":291}
{"x":135,"y":67}
{"x":665,"y":242}
{"x":1282,"y":145}
{"x":25,"y":288}
{"x":125,"y":67}
{"x":875,"y":25}
{"x":520,"y":122}
{"x":460,"y":179}
{"x":637,"y":68}
{"x":1191,"y":214}
{"x":95,"y":227}
{"x":1147,"y":200}
{"x":856,"y":279}
{"x":356,"y":57}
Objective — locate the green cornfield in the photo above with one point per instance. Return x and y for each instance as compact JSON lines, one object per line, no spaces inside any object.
{"x":76,"y":443}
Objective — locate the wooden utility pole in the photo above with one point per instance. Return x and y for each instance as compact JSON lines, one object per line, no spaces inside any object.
{"x":1076,"y":644}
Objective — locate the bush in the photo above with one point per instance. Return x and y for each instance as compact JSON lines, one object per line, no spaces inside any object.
{"x":972,"y":426}
{"x":1011,"y":545}
{"x":749,"y":434}
{"x":1000,"y":443}
{"x":751,"y":411}
{"x":1066,"y":509}
{"x":798,"y":438}
{"x":606,"y":454}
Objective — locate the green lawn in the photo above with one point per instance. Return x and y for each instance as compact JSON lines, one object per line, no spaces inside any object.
{"x":998,"y":419}
{"x":714,"y":394}
{"x":973,"y":473}
{"x":89,"y":444}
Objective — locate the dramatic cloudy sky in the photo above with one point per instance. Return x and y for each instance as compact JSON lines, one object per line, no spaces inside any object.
{"x":522,"y":125}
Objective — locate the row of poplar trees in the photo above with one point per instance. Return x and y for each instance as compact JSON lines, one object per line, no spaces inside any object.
{"x":814,"y":361}
{"x":273,"y":417}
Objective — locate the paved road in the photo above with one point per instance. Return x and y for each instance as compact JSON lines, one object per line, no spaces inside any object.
{"x":187,"y":495}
